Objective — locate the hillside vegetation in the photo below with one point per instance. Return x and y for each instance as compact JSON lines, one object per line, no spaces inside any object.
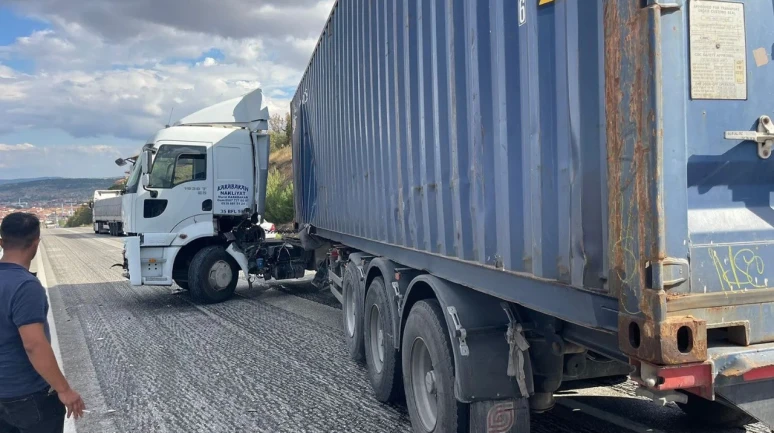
{"x":81,"y":217}
{"x":53,"y":190}
{"x":279,"y":187}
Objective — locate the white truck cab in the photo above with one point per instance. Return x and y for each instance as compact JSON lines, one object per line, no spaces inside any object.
{"x":194,"y":199}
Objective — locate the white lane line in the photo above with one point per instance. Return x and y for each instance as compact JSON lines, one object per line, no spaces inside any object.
{"x":606,"y":416}
{"x":69,"y":426}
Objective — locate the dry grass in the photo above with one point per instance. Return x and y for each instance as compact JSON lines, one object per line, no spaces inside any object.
{"x":282,"y":160}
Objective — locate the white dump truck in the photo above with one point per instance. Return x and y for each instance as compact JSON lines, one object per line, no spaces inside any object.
{"x":106,"y":212}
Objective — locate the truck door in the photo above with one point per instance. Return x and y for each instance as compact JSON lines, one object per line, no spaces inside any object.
{"x":179,"y":189}
{"x":233,"y":179}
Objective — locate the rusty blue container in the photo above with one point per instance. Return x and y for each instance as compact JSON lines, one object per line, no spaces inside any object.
{"x":603,"y":162}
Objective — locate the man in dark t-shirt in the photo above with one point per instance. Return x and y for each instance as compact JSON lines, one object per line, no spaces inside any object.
{"x":34,"y":395}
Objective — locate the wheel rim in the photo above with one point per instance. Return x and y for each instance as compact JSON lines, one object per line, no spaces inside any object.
{"x":349,"y":306}
{"x":377,"y":339}
{"x":424,"y":385}
{"x":220,"y":275}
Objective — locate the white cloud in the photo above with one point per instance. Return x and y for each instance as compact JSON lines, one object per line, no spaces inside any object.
{"x":116,"y":68}
{"x":24,"y":147}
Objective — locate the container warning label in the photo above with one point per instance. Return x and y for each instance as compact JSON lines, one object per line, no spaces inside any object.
{"x":718,"y":50}
{"x":231,"y":198}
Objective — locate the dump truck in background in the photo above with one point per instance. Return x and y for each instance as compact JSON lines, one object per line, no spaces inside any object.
{"x":513,"y":195}
{"x":106,"y":212}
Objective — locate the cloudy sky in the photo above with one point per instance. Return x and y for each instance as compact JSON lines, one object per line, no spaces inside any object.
{"x":83,"y":82}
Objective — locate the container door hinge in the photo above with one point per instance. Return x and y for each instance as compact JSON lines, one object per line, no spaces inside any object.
{"x":459,"y":331}
{"x":668,"y":273}
{"x":764,"y":136}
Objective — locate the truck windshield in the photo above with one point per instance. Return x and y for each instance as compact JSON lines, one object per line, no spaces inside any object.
{"x":134,"y":179}
{"x":175,"y":165}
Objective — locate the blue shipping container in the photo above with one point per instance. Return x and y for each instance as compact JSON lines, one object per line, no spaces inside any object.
{"x":591,"y":160}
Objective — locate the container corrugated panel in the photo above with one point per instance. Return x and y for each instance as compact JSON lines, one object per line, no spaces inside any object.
{"x":446,"y":127}
{"x":571,"y":145}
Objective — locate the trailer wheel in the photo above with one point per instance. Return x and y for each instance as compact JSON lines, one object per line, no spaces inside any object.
{"x":352,"y":313}
{"x":714,"y":413}
{"x":213,"y":275}
{"x":382,"y":359}
{"x":428,"y":372}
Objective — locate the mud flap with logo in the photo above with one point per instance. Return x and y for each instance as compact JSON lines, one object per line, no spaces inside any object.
{"x":500,"y":416}
{"x":754,"y":398}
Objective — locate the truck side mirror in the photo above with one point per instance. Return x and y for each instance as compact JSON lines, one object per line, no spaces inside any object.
{"x":145,"y":162}
{"x":145,"y":179}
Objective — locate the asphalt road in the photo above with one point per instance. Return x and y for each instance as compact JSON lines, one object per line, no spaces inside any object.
{"x":270,"y":360}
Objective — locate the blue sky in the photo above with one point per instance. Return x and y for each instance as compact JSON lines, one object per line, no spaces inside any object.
{"x":83,"y":83}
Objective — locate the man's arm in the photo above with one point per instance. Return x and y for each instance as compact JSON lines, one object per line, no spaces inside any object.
{"x":42,"y":356}
{"x":28,"y":311}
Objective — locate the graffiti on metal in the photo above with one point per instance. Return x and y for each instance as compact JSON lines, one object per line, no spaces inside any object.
{"x":739,"y":269}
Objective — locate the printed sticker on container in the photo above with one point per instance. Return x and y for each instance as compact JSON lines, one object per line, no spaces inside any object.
{"x":718,"y":50}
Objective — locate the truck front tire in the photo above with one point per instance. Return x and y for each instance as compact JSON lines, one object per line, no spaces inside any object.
{"x":428,"y":372}
{"x":213,"y":275}
{"x":382,"y":360}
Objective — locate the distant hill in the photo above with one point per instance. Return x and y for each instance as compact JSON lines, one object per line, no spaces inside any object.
{"x":53,"y":190}
{"x":30,"y":179}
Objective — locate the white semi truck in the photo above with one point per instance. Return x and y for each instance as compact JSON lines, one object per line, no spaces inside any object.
{"x":106,"y":212}
{"x":193,"y":203}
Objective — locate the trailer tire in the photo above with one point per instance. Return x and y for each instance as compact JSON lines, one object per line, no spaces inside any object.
{"x":213,"y":275}
{"x":352,"y":313}
{"x":428,"y":372}
{"x":714,"y":413}
{"x":382,"y":360}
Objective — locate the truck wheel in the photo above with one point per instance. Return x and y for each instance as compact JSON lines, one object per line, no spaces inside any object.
{"x":352,"y":313}
{"x":428,"y":372}
{"x":213,"y":275}
{"x":382,"y":359}
{"x":714,"y":413}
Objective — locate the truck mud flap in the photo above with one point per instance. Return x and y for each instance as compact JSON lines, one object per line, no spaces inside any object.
{"x":754,"y":398}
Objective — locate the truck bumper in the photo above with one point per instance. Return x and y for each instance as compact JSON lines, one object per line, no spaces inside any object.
{"x":132,"y":260}
{"x":744,"y":376}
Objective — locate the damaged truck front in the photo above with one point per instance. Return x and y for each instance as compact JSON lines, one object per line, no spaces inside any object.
{"x":519,"y":194}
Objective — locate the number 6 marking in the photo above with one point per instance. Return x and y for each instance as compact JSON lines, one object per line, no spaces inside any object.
{"x":522,"y":12}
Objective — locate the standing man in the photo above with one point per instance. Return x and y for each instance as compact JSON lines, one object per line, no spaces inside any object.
{"x":34,"y":395}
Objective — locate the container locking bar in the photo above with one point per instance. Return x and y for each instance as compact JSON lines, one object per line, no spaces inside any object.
{"x":764,"y":136}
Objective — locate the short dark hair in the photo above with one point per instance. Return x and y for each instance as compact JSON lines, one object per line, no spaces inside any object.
{"x":19,"y":230}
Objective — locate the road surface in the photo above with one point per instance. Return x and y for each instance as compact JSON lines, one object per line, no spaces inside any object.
{"x":270,"y":360}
